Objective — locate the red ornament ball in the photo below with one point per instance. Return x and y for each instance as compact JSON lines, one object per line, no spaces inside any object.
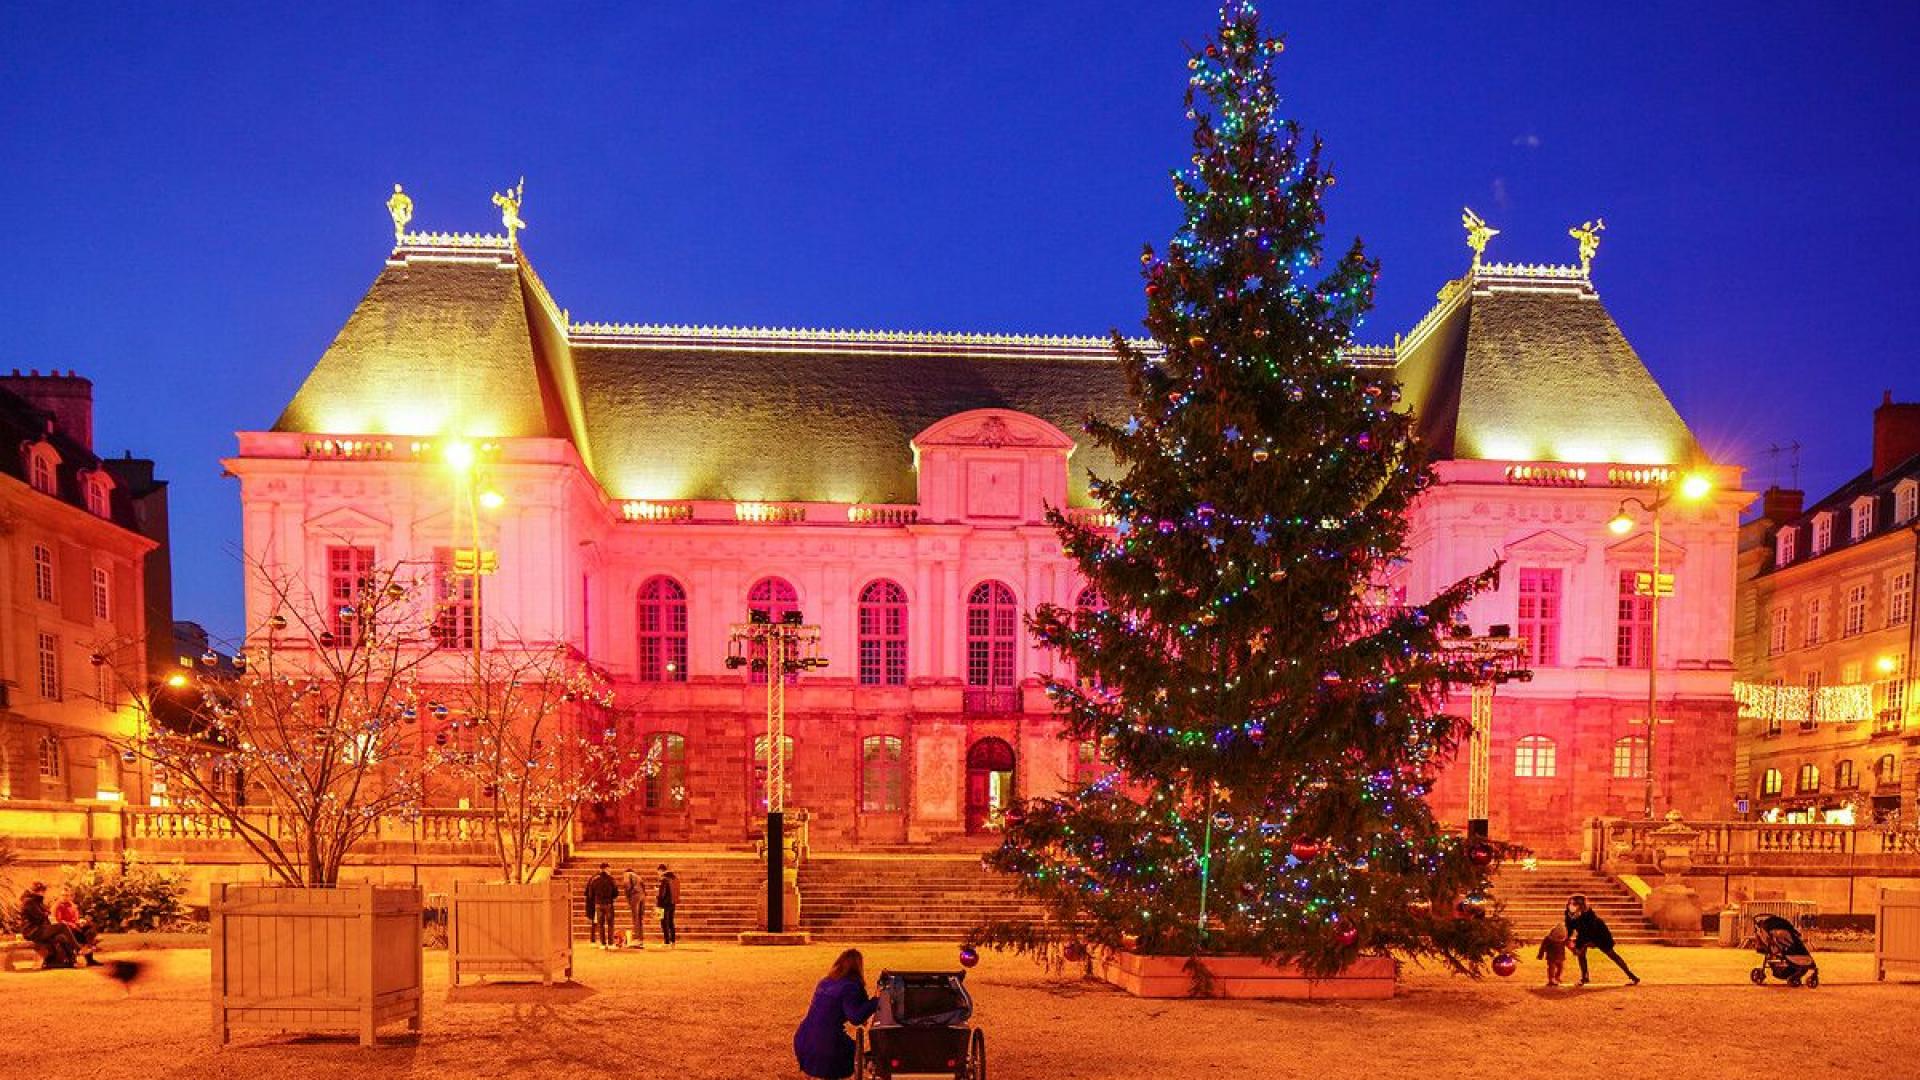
{"x":1505,"y":964}
{"x":969,"y":956}
{"x":1480,"y":853}
{"x":1306,"y":850}
{"x":1347,"y":935}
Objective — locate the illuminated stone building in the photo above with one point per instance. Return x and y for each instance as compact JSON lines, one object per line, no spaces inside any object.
{"x":658,"y":481}
{"x":1826,"y":640}
{"x":83,"y":545}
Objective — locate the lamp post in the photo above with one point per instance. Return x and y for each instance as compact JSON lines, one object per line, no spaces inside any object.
{"x":1655,"y":586}
{"x":776,"y":649}
{"x":473,"y":563}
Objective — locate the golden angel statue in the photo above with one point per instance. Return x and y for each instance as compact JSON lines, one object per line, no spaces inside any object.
{"x":1478,"y":233}
{"x":400,"y":207}
{"x":509,"y":203}
{"x":1588,"y":234}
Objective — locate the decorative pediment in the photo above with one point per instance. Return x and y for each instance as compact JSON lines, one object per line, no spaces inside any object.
{"x":1547,"y":547}
{"x":346,"y":521}
{"x":994,"y":429}
{"x":1637,"y":550}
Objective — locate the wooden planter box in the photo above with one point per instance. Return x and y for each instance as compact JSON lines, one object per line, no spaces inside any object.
{"x":1896,"y":935}
{"x":497,"y":929}
{"x":1369,"y":977}
{"x":326,"y":959}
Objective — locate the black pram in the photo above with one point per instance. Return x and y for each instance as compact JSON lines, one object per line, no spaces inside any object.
{"x":1783,"y":952}
{"x":921,"y":1029}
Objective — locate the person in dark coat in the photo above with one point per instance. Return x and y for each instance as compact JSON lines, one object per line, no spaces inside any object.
{"x":1585,"y":930}
{"x":821,"y":1043}
{"x":55,"y":939}
{"x":667,"y":898}
{"x":602,"y":892}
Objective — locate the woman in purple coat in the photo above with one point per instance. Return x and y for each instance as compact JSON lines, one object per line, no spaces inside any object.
{"x":821,"y":1042}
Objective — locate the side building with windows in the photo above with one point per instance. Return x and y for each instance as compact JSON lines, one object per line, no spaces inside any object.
{"x":79,"y":606}
{"x":1826,"y":645}
{"x":653,"y":484}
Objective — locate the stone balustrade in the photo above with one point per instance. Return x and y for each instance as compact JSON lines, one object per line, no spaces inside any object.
{"x":1616,"y":843}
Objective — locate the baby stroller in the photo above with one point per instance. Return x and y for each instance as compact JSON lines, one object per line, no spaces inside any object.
{"x":921,"y":1029}
{"x":1783,"y":952}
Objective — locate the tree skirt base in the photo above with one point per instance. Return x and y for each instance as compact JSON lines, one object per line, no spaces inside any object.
{"x":1367,"y":978}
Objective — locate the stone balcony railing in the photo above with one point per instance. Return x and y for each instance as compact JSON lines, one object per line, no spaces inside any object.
{"x":1629,"y":844}
{"x":108,"y":829}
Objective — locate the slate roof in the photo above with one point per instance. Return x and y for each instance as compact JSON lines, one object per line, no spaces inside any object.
{"x":1839,"y":503}
{"x":1513,"y":364}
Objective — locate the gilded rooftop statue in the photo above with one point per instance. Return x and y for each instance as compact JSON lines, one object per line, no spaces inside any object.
{"x":400,"y":207}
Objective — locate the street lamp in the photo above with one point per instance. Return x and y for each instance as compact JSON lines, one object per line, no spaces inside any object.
{"x":1656,"y":586}
{"x":777,"y":649}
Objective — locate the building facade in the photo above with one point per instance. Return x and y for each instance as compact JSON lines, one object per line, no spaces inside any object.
{"x":1827,"y":641}
{"x":76,"y":589}
{"x":652,"y":484}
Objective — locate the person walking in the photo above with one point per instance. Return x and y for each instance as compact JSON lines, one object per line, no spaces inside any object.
{"x":635,"y":891}
{"x":667,"y":898}
{"x":820,"y":1043}
{"x":602,"y":892}
{"x":1586,"y":929}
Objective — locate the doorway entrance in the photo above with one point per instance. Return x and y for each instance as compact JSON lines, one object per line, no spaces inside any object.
{"x":989,"y":782}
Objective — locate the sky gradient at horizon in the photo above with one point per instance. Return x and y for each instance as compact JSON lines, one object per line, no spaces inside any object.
{"x":198,"y":196}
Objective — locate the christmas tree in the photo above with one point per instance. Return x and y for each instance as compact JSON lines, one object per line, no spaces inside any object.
{"x":1273,"y":723}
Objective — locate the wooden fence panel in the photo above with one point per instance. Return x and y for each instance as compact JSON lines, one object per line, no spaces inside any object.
{"x":1896,"y":943}
{"x":499,"y":929}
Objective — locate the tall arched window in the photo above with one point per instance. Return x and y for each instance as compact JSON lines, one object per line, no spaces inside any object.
{"x":42,"y":572}
{"x":776,"y":597}
{"x":883,"y":775}
{"x":1089,"y":601}
{"x":52,"y":759}
{"x":1886,"y":773}
{"x":1844,"y":777}
{"x":1809,"y":778}
{"x":1630,"y":758}
{"x":1770,"y":782}
{"x":883,"y":634}
{"x":993,"y":629}
{"x":1534,"y":757}
{"x":666,"y":771}
{"x":663,"y":631}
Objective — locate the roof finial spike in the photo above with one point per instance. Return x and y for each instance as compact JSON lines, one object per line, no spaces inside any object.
{"x":1478,"y":233}
{"x":400,"y":208}
{"x":1588,"y":234}
{"x":509,"y":203}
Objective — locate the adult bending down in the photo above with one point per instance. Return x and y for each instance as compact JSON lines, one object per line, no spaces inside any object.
{"x":821,"y":1043}
{"x":1586,"y":929}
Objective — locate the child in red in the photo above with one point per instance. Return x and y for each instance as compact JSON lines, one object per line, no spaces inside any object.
{"x":1553,"y":949}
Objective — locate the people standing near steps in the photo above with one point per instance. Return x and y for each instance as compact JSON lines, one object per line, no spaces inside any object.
{"x":602,"y":893}
{"x":1585,"y":930}
{"x":667,"y":898}
{"x":635,"y":891}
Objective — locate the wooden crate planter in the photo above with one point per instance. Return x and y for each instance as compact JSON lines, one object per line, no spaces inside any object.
{"x":346,"y":958}
{"x":1368,"y":977}
{"x":498,"y":929}
{"x":1896,"y":935}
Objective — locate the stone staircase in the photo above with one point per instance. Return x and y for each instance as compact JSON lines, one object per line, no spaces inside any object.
{"x":720,"y":891}
{"x":928,"y":897}
{"x":1535,"y":901}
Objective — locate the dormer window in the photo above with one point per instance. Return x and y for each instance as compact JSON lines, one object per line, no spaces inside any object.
{"x":1906,"y":501}
{"x":1783,"y":547}
{"x":1862,"y":518}
{"x":1822,"y":532}
{"x":99,"y":496}
{"x":42,"y":468}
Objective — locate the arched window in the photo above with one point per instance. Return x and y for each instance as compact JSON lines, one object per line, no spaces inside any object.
{"x":99,"y":497}
{"x":1089,"y":764}
{"x":43,"y":577}
{"x":1809,"y":778}
{"x":1630,"y":758}
{"x":663,"y":631}
{"x":52,"y":759}
{"x":1088,"y":602}
{"x":666,"y":772}
{"x":776,"y":597}
{"x":1534,"y":756}
{"x":1844,"y":777}
{"x":883,"y":775}
{"x":1886,"y":773}
{"x":883,"y":634}
{"x":40,"y":470}
{"x":760,"y":771}
{"x":1770,"y":782}
{"x":993,"y":626}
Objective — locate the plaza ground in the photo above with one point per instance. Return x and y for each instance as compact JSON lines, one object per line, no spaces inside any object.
{"x":717,"y":1012}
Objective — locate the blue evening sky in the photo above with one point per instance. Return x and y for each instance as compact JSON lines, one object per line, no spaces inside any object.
{"x":196,"y":191}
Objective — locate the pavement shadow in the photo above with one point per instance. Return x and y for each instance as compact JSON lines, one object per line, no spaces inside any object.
{"x":520,"y":993}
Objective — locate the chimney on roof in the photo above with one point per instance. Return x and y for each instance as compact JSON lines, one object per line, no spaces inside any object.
{"x":69,"y":398}
{"x":1896,"y":433}
{"x":1780,"y":505}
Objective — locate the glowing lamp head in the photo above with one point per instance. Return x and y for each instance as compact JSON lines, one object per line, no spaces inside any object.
{"x":1695,"y":486}
{"x":492,"y":500}
{"x":1887,"y":665}
{"x":177,"y":680}
{"x":1622,"y":523}
{"x":459,"y":456}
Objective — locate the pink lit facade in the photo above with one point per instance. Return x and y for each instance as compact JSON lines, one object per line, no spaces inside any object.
{"x":638,"y":540}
